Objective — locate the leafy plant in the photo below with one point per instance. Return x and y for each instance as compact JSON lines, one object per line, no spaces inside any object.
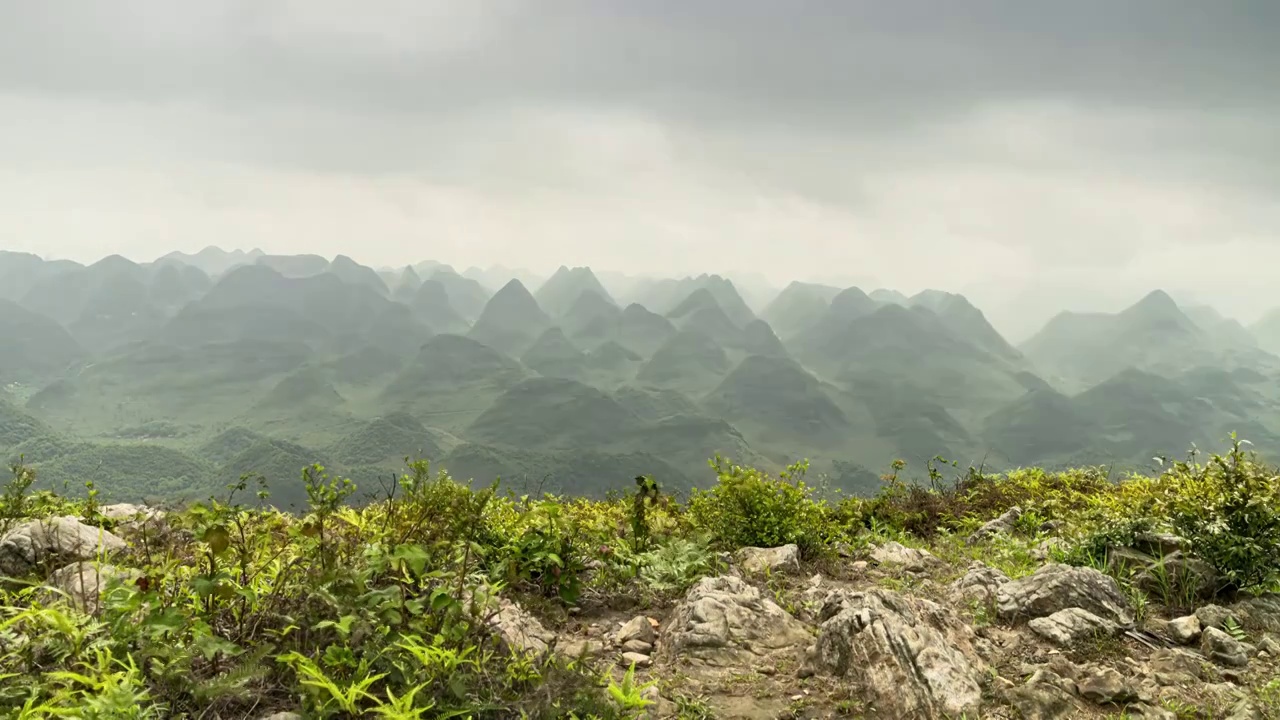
{"x":748,"y":508}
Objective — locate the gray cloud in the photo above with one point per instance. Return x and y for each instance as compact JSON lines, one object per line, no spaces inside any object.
{"x":978,"y":145}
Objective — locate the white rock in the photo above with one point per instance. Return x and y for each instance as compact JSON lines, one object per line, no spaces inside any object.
{"x":1185,"y":630}
{"x":53,"y":541}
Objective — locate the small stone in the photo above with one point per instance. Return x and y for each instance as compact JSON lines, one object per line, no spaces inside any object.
{"x":1223,"y":649}
{"x":639,"y":660}
{"x":580,"y":648}
{"x":1269,"y":645}
{"x":637,"y":646}
{"x":911,"y":559}
{"x":282,"y":716}
{"x":767,"y":670}
{"x":1185,"y":630}
{"x":1002,"y":524}
{"x":1244,"y":709}
{"x":860,"y":566}
{"x":637,"y":628}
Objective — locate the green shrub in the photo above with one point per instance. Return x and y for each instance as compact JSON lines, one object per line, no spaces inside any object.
{"x":1229,"y":511}
{"x":747,"y":508}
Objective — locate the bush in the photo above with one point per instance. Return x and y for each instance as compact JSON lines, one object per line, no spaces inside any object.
{"x":747,"y":508}
{"x":1229,"y":511}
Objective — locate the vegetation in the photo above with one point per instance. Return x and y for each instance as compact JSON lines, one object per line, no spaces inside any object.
{"x":383,"y":610}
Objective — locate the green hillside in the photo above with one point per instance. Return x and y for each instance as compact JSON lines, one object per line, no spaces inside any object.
{"x":34,"y":347}
{"x":798,"y":307}
{"x":566,"y":286}
{"x":554,"y":356}
{"x":386,"y":441}
{"x":690,"y":360}
{"x":774,"y":400}
{"x":511,"y":320}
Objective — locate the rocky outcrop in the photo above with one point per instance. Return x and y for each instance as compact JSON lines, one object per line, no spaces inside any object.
{"x":895,"y":554}
{"x":978,"y":584}
{"x":85,"y":581}
{"x":1002,"y":524}
{"x":760,"y":560}
{"x":911,"y":658}
{"x":128,"y":516}
{"x":1056,"y":587}
{"x":723,"y":622}
{"x":1223,"y":649}
{"x":519,"y":631}
{"x":1184,"y":630}
{"x":52,"y":542}
{"x":1071,"y":626}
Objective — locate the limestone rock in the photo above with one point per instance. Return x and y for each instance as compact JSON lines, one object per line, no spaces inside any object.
{"x":1214,"y":616}
{"x":1175,"y":667}
{"x":1158,"y":544}
{"x":1244,"y":709}
{"x":518,"y":630}
{"x":723,"y":622}
{"x":912,"y":658}
{"x":84,"y":581}
{"x":1104,"y":685}
{"x":638,"y":659}
{"x":1223,"y":649}
{"x":910,"y":559}
{"x":1263,"y":610}
{"x":1071,"y":626}
{"x":1057,"y":587}
{"x":760,"y":560}
{"x":1002,"y":524}
{"x":637,"y":628}
{"x":580,"y":648}
{"x":1185,"y":630}
{"x":978,"y":584}
{"x":1045,"y":696}
{"x":53,"y":541}
{"x":637,"y":646}
{"x":130,"y":515}
{"x":282,"y":716}
{"x":1178,"y":575}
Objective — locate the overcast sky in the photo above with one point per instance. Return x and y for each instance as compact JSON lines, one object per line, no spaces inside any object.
{"x":1033,"y":154}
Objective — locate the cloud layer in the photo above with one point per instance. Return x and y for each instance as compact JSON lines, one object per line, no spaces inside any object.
{"x":1035,"y":154}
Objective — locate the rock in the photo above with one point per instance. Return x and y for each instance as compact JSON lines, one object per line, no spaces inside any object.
{"x":1269,"y":645}
{"x":912,"y":658}
{"x":1057,"y":587}
{"x":1223,"y":649}
{"x":1244,"y":709}
{"x":1214,"y":616}
{"x":130,"y":516}
{"x":760,"y":560}
{"x":1144,"y":711}
{"x":1185,"y":630}
{"x":630,"y":658}
{"x":1002,"y":524}
{"x":1124,"y":562}
{"x":84,"y":581}
{"x":859,"y":566}
{"x":637,"y":628}
{"x":910,"y":559}
{"x":1176,"y":576}
{"x":53,"y":541}
{"x":1263,"y":610}
{"x":1105,"y":686}
{"x":282,"y":716}
{"x":1158,"y":544}
{"x":1045,"y":549}
{"x":637,"y":646}
{"x":1041,"y":701}
{"x":574,"y":649}
{"x":1175,"y":667}
{"x":1071,"y":626}
{"x":978,"y":584}
{"x":518,"y":630}
{"x":725,"y":622}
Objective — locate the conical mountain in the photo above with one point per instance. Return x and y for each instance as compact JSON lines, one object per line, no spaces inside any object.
{"x":612,"y":357}
{"x":301,"y":391}
{"x":511,"y":320}
{"x":592,"y":317}
{"x":387,"y":441}
{"x":701,"y":312}
{"x":1041,"y":426}
{"x":17,"y":426}
{"x":771,"y":397}
{"x":700,"y":299}
{"x":643,"y":331}
{"x":67,"y":294}
{"x":965,"y":319}
{"x":118,"y":310}
{"x":213,"y":261}
{"x":34,"y":346}
{"x":554,"y":412}
{"x":353,"y":272}
{"x":666,"y":295}
{"x":431,"y":304}
{"x":452,"y":380}
{"x":467,"y":296}
{"x":295,"y":266}
{"x":396,"y":329}
{"x":552,"y":355}
{"x":406,"y":285}
{"x":689,"y":360}
{"x":1267,"y":331}
{"x":886,"y":296}
{"x":1226,"y":332}
{"x":798,"y":307}
{"x":174,"y":285}
{"x":758,"y":338}
{"x":564,"y":288}
{"x":1079,"y":350}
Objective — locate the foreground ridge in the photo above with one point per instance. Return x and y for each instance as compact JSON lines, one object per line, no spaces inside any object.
{"x":1029,"y":594}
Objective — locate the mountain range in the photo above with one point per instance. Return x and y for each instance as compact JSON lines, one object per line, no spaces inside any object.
{"x":172,"y":378}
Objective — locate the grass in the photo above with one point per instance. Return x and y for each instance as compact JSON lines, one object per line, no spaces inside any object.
{"x":381,"y":609}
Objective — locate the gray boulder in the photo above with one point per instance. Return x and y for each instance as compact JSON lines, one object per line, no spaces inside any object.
{"x":760,"y":560}
{"x":1002,"y":524}
{"x":1106,"y":686}
{"x":1223,"y":649}
{"x":723,"y":622}
{"x":53,"y":542}
{"x":519,"y":631}
{"x":911,"y":658}
{"x":895,"y":554}
{"x":1071,"y":626}
{"x":1185,"y":630}
{"x":1058,"y":587}
{"x":84,"y":582}
{"x":978,"y":584}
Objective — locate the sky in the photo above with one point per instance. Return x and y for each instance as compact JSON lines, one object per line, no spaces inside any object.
{"x":1036,"y":155}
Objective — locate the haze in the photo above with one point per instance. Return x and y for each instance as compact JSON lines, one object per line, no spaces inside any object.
{"x":1033,"y":155}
